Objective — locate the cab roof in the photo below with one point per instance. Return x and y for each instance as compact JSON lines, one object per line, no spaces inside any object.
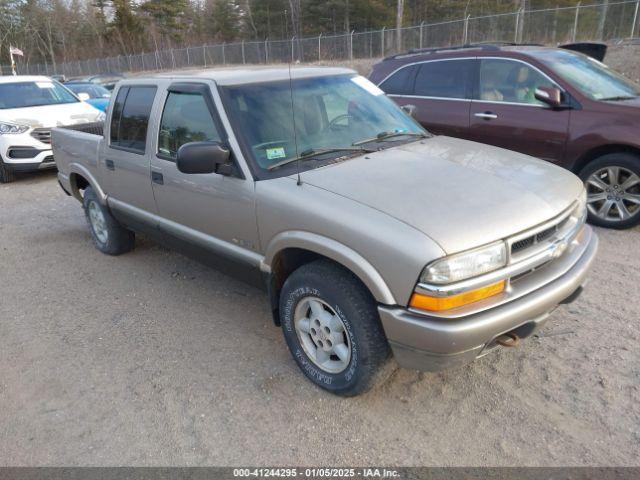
{"x":24,"y":78}
{"x":245,"y":75}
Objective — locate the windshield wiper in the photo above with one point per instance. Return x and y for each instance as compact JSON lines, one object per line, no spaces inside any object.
{"x":385,"y":135}
{"x":616,"y":99}
{"x":314,"y":152}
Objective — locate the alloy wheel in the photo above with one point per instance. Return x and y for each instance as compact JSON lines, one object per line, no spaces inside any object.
{"x":613,"y":194}
{"x":322,"y":334}
{"x":98,"y":222}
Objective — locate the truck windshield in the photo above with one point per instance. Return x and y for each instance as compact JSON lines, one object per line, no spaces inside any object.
{"x":33,"y":94}
{"x":334,"y":117}
{"x":591,"y":77}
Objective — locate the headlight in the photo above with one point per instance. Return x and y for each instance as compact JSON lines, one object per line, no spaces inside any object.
{"x":101,"y":117}
{"x":11,"y":128}
{"x":466,"y":265}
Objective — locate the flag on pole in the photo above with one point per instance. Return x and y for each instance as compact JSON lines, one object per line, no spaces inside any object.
{"x":15,"y":51}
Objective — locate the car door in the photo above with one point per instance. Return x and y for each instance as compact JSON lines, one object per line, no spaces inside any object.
{"x":126,"y":156}
{"x":506,"y":114}
{"x":213,"y":215}
{"x":440,"y":90}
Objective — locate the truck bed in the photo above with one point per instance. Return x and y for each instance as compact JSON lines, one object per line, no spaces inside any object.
{"x":76,"y":148}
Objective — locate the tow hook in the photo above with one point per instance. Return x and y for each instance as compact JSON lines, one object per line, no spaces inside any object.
{"x":509,"y":340}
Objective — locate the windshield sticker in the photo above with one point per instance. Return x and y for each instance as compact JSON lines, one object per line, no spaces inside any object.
{"x":275,"y":153}
{"x":367,"y":85}
{"x":44,"y":84}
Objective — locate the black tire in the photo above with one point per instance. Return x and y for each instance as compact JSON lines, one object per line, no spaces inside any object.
{"x":627,"y":161}
{"x":6,"y":175}
{"x":118,"y":239}
{"x":357,"y":309}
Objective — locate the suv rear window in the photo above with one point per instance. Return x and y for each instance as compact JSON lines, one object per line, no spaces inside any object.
{"x":444,"y":79}
{"x":131,"y":117}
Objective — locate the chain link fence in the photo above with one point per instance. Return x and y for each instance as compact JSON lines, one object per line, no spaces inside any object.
{"x":614,"y":21}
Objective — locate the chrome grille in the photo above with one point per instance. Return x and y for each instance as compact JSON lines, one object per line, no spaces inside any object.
{"x":42,"y":134}
{"x":530,"y":243}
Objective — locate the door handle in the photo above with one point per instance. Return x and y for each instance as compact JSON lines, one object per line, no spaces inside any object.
{"x":156,"y":177}
{"x":486,"y":115}
{"x":109,"y":164}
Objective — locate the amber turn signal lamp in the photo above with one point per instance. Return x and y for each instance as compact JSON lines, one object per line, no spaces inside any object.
{"x":421,"y":301}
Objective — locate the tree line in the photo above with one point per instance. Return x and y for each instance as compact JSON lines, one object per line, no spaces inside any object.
{"x":54,"y":31}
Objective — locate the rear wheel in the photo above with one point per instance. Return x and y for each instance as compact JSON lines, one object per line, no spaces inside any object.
{"x":108,"y":235}
{"x":332,"y":327}
{"x":6,"y":175}
{"x":613,"y":190}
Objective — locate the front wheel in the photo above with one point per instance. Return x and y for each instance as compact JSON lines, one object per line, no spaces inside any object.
{"x":6,"y":175}
{"x":613,"y":190}
{"x":332,"y":327}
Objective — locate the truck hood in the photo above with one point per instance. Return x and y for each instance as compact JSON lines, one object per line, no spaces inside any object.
{"x":49,"y":116}
{"x":461,"y":194}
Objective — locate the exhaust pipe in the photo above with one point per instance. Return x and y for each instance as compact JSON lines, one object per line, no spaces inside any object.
{"x":509,"y":340}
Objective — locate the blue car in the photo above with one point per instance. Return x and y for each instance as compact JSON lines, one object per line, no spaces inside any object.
{"x":95,"y":95}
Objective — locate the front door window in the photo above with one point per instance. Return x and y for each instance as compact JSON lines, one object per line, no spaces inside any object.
{"x":509,"y":81}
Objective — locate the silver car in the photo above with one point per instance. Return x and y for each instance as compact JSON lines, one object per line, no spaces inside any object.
{"x":370,"y":235}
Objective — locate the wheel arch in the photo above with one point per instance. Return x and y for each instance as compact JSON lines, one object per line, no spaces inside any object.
{"x":598,"y":152}
{"x":289,"y":251}
{"x":80,"y":178}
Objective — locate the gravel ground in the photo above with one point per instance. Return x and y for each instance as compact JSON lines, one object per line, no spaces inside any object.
{"x":153,"y":359}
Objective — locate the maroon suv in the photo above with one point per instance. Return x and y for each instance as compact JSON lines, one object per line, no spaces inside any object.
{"x":555,"y":104}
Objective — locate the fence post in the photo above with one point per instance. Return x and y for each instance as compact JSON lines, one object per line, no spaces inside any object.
{"x":242,"y":47}
{"x":351,"y":46}
{"x":320,"y":49}
{"x":635,"y":19}
{"x":421,"y":28}
{"x":465,"y":30}
{"x":521,"y":26}
{"x":188,"y":57}
{"x":204,"y":55}
{"x":224,"y":58}
{"x":575,"y":23}
{"x":515,"y":36}
{"x":292,"y":47}
{"x":266,"y":50}
{"x":382,"y":41}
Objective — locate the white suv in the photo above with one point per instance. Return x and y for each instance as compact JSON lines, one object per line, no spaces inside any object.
{"x":29,"y":107}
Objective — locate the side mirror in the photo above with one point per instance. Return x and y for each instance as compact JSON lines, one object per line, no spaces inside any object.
{"x":409,"y":109}
{"x":84,"y":96}
{"x":550,"y":96}
{"x":203,"y":157}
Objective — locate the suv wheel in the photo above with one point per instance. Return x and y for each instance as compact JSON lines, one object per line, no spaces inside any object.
{"x":613,"y":190}
{"x":6,"y":175}
{"x":108,"y":235}
{"x":332,"y":327}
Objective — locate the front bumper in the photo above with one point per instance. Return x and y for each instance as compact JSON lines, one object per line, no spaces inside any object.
{"x":22,"y":152}
{"x":428,"y":343}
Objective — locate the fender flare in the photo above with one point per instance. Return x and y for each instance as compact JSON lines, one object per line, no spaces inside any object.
{"x":337,"y":252}
{"x":78,"y":169}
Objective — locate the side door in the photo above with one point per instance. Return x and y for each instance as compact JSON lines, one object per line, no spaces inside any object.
{"x":125,"y":160}
{"x":213,"y":215}
{"x":506,"y":114}
{"x":441,"y":90}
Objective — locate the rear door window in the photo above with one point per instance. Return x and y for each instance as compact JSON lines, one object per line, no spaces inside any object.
{"x":130,"y":118}
{"x":400,"y":82}
{"x":186,"y":118}
{"x":445,"y":79}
